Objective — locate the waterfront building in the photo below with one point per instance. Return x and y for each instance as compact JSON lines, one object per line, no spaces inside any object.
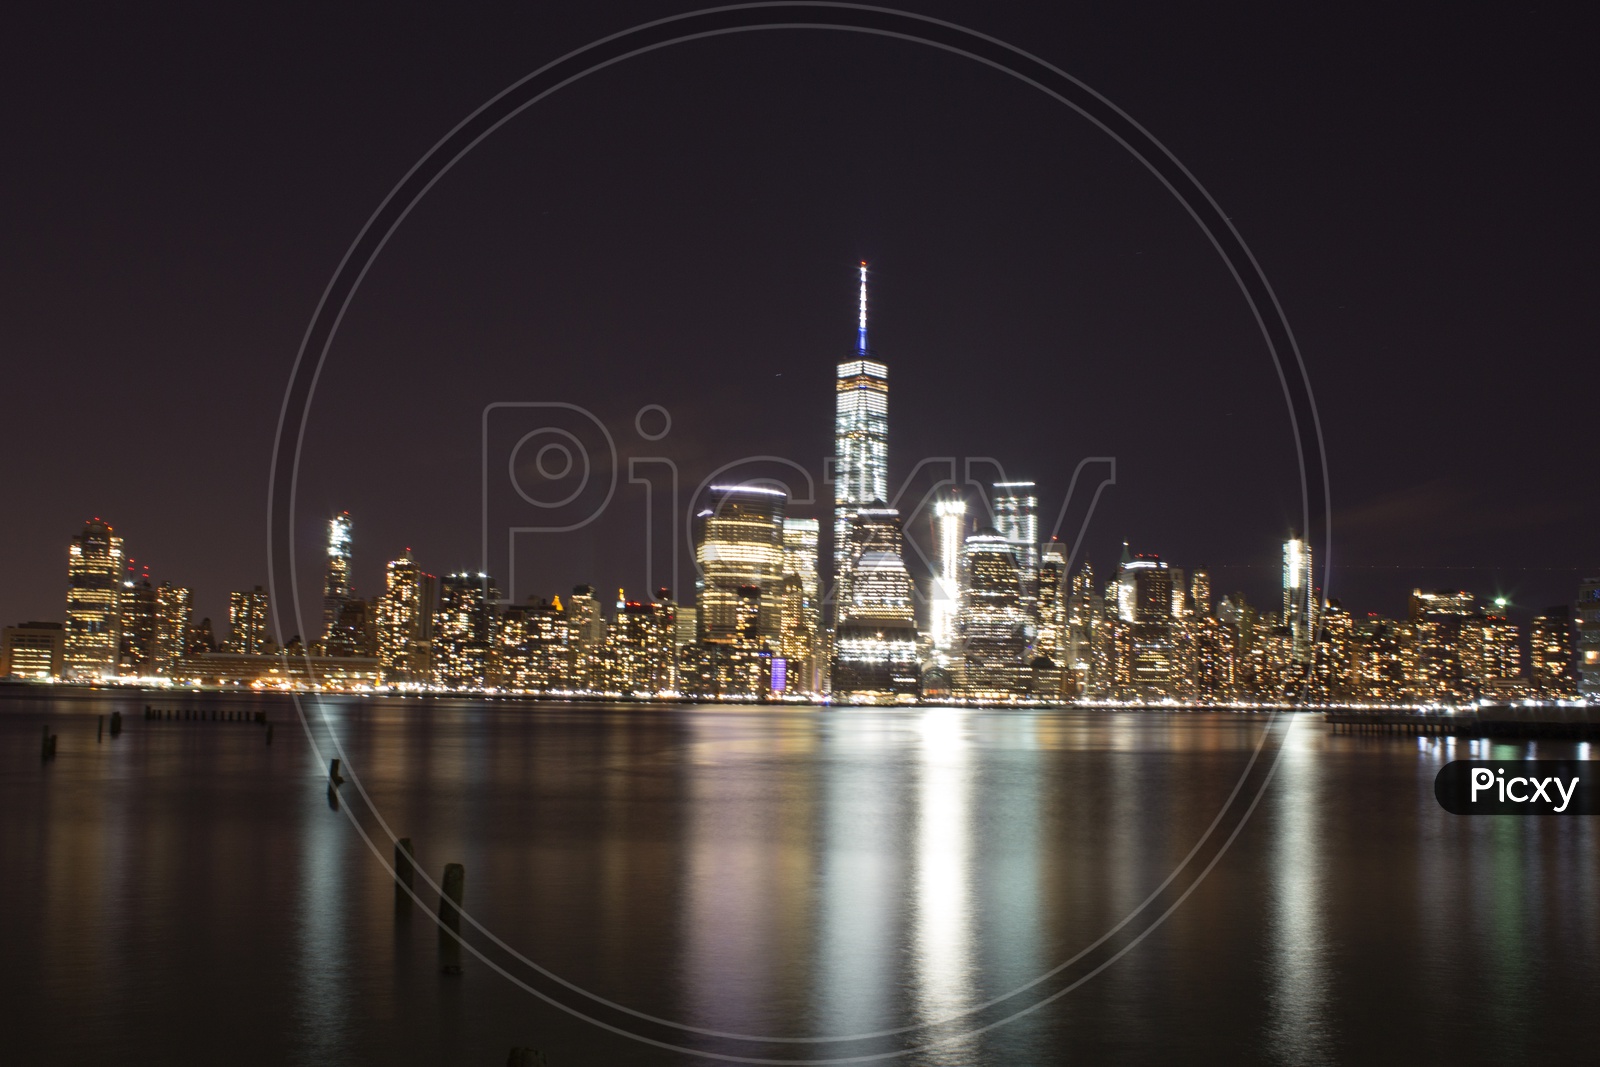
{"x":404,"y":619}
{"x":94,"y":580}
{"x":1051,"y":603}
{"x":1086,"y":655}
{"x":249,"y":621}
{"x":1335,"y":655}
{"x":174,"y":608}
{"x":1588,"y":639}
{"x":464,"y":631}
{"x":1440,"y":667}
{"x":535,"y":648}
{"x":1299,"y":596}
{"x":35,"y":650}
{"x":1496,"y":660}
{"x":587,"y":625}
{"x":644,"y":660}
{"x":993,"y":628}
{"x":136,"y":625}
{"x":739,"y":547}
{"x":1016,"y":518}
{"x":336,"y":587}
{"x":949,"y":531}
{"x":1145,"y":656}
{"x":1212,"y":673}
{"x":1550,"y":655}
{"x":800,"y":635}
{"x":1382,"y":660}
{"x":875,"y":643}
{"x":861,"y":439}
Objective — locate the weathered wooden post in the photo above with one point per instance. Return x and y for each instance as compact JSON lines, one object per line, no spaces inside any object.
{"x":402,"y":876}
{"x":116,"y":723}
{"x":452,"y":889}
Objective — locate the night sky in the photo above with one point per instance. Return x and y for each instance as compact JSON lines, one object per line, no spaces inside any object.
{"x":682,"y":230}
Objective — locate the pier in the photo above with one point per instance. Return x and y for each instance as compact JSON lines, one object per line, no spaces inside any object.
{"x":1553,"y":721}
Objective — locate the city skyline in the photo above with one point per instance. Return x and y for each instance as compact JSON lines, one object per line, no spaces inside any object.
{"x":1000,"y":233}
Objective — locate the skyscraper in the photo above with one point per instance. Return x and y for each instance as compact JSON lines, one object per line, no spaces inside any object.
{"x":993,"y":628}
{"x":740,"y":551}
{"x":463,"y":630}
{"x":1144,"y":652}
{"x":950,"y":529}
{"x":1050,"y":609}
{"x":801,"y":637}
{"x":136,"y":623}
{"x":174,"y":606}
{"x":875,"y":643}
{"x":1016,"y":518}
{"x":861,"y":439}
{"x":336,"y":584}
{"x":248,"y":616}
{"x":404,"y":622}
{"x":1550,"y":661}
{"x":1588,"y":639}
{"x":94,"y":579}
{"x":1299,"y":597}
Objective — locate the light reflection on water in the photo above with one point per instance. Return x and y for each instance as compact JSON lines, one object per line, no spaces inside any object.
{"x":774,"y":871}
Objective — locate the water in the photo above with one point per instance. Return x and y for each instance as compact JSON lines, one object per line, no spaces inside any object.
{"x":186,"y":893}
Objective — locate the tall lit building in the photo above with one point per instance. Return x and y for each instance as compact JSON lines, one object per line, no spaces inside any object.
{"x":949,"y":530}
{"x":1086,"y":652}
{"x":875,"y":642}
{"x":1200,"y":594}
{"x":94,"y":580}
{"x":136,"y":624}
{"x":1016,"y":518}
{"x":1299,"y":596}
{"x":464,"y":630}
{"x":1144,"y":653}
{"x":740,"y":549}
{"x":336,"y":583}
{"x":1550,"y":654}
{"x":644,"y":660}
{"x":405,"y":619}
{"x":800,"y":639}
{"x":248,"y":619}
{"x":1050,"y":608}
{"x":1588,"y":639}
{"x":992,"y":627}
{"x":861,"y":439}
{"x":174,"y":609}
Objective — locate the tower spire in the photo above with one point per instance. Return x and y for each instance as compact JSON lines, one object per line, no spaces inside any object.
{"x":861,"y":329}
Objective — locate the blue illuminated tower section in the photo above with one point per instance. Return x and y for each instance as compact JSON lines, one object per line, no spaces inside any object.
{"x":861,"y":442}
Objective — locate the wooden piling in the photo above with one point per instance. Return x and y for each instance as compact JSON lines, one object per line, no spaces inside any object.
{"x":116,"y":724}
{"x":47,"y":743}
{"x":403,"y":876}
{"x":453,"y":888}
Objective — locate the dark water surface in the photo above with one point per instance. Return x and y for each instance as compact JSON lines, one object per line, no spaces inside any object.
{"x":185,"y":893}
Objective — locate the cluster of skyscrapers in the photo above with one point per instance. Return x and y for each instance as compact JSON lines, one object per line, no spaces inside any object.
{"x":1002,"y":616}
